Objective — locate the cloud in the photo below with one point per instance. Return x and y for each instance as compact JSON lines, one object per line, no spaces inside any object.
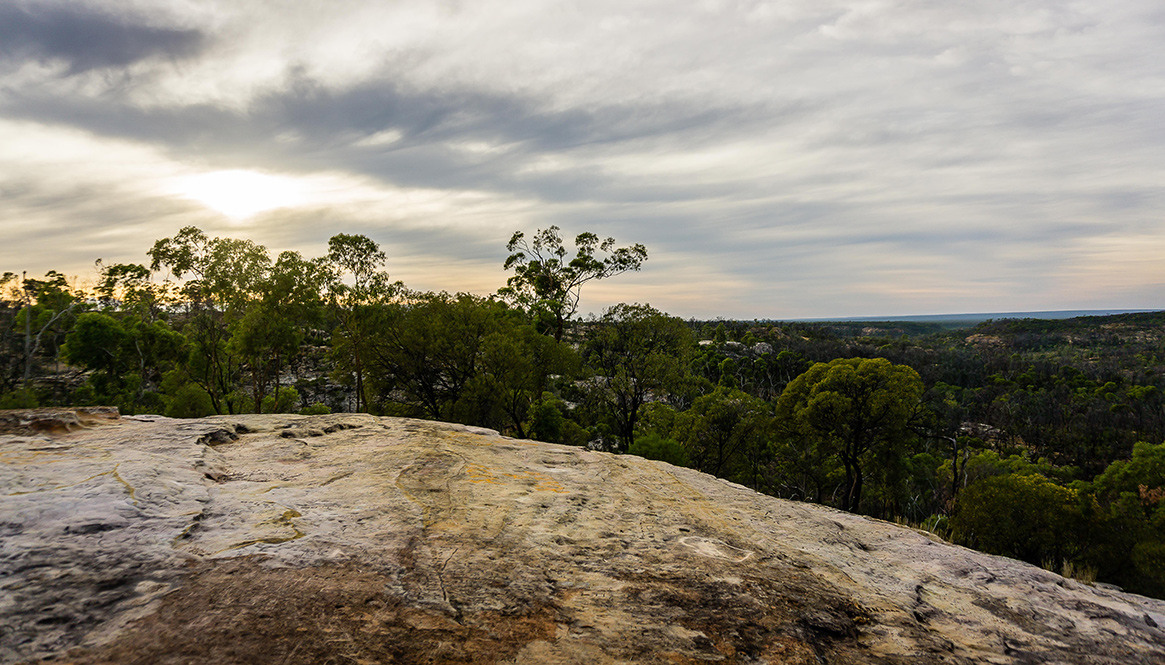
{"x":452,"y":138}
{"x":86,"y":38}
{"x":805,"y":156}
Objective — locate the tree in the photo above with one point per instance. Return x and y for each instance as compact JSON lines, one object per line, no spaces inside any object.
{"x":275,"y":326}
{"x":637,"y":353}
{"x":513,"y":366}
{"x":127,"y":287}
{"x":11,"y":338}
{"x":1023,"y":516}
{"x":1144,"y":471}
{"x":226,"y":279}
{"x":725,"y":434}
{"x":359,"y":258}
{"x":428,"y":348}
{"x":857,"y":409}
{"x":1131,"y":548}
{"x":654,"y":446}
{"x":49,"y":306}
{"x":127,"y":354}
{"x":548,"y":286}
{"x":98,"y":341}
{"x":226,"y":272}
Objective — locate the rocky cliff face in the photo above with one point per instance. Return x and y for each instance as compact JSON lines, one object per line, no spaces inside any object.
{"x":355,"y":539}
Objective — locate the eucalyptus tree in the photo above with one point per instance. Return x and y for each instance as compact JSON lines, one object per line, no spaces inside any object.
{"x":129,"y":288}
{"x":275,"y":326}
{"x":11,"y":355}
{"x":726,"y":434}
{"x":50,"y":306}
{"x":427,"y":348}
{"x":855,"y":409}
{"x":548,"y":285}
{"x":357,"y":289}
{"x":637,"y":353}
{"x":128,"y":356}
{"x":225,"y":279}
{"x":513,"y":369}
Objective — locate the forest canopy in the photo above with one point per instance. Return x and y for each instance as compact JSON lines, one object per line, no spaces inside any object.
{"x":1041,"y":440}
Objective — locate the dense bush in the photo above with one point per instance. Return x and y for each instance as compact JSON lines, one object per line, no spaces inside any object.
{"x":1022,"y":516}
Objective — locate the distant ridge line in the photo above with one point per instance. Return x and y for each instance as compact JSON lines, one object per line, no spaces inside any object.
{"x":976,"y":317}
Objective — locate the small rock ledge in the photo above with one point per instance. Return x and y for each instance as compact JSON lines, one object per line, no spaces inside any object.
{"x":54,"y":420}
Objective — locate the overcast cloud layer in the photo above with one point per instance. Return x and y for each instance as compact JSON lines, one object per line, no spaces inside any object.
{"x":796,"y":158}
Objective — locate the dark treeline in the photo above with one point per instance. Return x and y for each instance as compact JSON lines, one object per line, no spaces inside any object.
{"x":1040,"y":440}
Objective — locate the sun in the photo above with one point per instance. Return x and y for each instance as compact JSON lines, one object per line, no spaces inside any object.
{"x":239,"y":194}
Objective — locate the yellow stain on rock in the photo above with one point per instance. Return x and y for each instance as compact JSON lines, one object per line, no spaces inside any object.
{"x":477,"y":473}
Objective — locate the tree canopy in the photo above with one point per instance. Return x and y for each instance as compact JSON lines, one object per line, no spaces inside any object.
{"x":858,"y":409}
{"x":549,"y":285}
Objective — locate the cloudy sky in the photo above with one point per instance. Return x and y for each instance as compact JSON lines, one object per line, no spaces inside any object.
{"x":792,"y":158}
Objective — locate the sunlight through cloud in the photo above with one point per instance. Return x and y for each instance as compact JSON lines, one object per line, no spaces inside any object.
{"x":240,"y":194}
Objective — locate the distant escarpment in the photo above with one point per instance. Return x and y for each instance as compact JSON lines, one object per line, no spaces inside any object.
{"x":356,"y":539}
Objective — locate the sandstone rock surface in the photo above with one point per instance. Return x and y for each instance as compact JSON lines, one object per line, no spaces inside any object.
{"x":355,"y":539}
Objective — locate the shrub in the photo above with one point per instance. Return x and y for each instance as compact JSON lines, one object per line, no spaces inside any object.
{"x":1026,"y":517}
{"x":574,"y":434}
{"x":653,"y":446}
{"x":189,"y":401}
{"x":283,"y":401}
{"x":19,"y":399}
{"x":546,"y":419}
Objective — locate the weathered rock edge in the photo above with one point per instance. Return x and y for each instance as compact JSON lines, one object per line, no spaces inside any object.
{"x":350,"y":538}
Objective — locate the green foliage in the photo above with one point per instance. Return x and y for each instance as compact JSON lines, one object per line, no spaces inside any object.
{"x":358,"y":306}
{"x":548,"y":286}
{"x":189,"y":401}
{"x":653,"y":446}
{"x":857,"y":410}
{"x":514,"y":367}
{"x":22,"y":398}
{"x":981,"y":464}
{"x":916,"y":490}
{"x":574,"y":434}
{"x":315,"y":409}
{"x":1015,"y":413}
{"x":41,"y":313}
{"x":427,"y":350}
{"x":283,"y":401}
{"x":128,"y":356}
{"x":227,"y":276}
{"x":360,"y":257}
{"x":1128,"y":539}
{"x":239,"y":401}
{"x":1022,"y":516}
{"x":636,"y":352}
{"x":97,"y":341}
{"x":1148,"y":559}
{"x":126,"y":287}
{"x":1146,"y":468}
{"x":547,"y":419}
{"x":725,"y":433}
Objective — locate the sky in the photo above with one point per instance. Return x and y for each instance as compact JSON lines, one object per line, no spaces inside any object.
{"x":783,"y":159}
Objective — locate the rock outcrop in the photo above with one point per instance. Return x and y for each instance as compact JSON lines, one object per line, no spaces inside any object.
{"x":54,"y":420}
{"x":355,"y":539}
